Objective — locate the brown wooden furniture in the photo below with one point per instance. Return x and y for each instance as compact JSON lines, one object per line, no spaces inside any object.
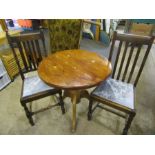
{"x":116,"y":92}
{"x":74,"y":71}
{"x":33,"y":87}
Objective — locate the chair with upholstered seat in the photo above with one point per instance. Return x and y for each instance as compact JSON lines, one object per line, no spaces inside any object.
{"x":33,"y":88}
{"x":65,"y":34}
{"x":118,"y":91}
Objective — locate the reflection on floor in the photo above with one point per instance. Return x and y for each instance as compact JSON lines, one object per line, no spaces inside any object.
{"x":14,"y":121}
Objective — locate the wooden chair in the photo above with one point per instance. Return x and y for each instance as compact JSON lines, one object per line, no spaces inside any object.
{"x":33,"y":87}
{"x":65,"y":34}
{"x":117,"y":91}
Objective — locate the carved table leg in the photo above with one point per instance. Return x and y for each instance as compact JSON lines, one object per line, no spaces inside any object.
{"x":75,"y":95}
{"x":74,"y":102}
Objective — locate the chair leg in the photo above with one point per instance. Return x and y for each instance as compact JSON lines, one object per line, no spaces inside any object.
{"x":128,"y":123}
{"x":90,"y":109}
{"x":61,"y":103}
{"x":28,"y":114}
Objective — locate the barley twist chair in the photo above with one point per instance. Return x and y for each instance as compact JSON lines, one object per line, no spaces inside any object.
{"x":117,"y":93}
{"x":33,"y":88}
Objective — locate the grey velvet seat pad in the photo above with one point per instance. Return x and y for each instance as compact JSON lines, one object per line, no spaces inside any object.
{"x":116,"y":91}
{"x":33,"y":85}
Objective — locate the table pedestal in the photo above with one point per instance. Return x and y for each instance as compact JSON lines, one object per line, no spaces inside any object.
{"x":74,"y":71}
{"x":75,"y":96}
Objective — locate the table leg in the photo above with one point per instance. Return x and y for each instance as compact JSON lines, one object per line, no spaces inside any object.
{"x":75,"y":95}
{"x":74,"y":102}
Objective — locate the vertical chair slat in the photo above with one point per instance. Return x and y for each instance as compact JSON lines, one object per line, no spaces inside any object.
{"x":122,"y":61}
{"x":27,"y":54}
{"x":31,"y":54}
{"x":128,"y":62}
{"x":43,"y":41}
{"x":22,"y":55}
{"x":38,"y":50}
{"x":112,"y":46}
{"x":34,"y":53}
{"x":117,"y":58}
{"x":134,"y":63}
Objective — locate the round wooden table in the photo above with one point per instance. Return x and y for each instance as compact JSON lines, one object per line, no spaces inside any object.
{"x":74,"y":71}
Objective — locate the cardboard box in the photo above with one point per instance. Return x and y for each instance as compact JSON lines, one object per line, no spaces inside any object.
{"x":141,"y":29}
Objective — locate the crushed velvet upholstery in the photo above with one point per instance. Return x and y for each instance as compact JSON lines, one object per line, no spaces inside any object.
{"x":116,"y":91}
{"x":33,"y":85}
{"x":64,"y":34}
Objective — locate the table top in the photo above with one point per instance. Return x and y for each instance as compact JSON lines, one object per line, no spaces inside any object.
{"x":74,"y":69}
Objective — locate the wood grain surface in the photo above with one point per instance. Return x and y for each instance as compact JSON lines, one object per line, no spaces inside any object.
{"x":74,"y":69}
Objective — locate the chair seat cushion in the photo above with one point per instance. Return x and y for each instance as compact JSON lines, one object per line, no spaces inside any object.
{"x":117,"y":92}
{"x":33,"y":85}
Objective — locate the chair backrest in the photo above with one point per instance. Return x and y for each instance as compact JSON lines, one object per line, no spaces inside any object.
{"x":30,"y":49}
{"x":129,"y":62}
{"x":64,"y":34}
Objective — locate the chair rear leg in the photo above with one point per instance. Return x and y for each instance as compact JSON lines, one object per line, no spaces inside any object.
{"x":128,"y":123}
{"x":90,"y":109}
{"x":61,"y":103}
{"x":28,"y":114}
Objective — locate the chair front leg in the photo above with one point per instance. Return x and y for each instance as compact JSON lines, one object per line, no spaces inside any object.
{"x":90,"y":109}
{"x":128,"y":123}
{"x":61,"y":103}
{"x":28,"y":114}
